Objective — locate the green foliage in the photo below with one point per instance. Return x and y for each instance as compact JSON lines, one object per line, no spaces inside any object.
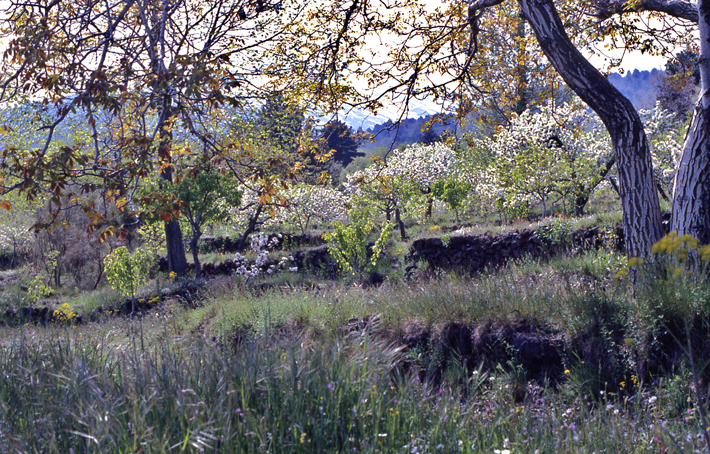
{"x":207,"y":195}
{"x":453,"y":192}
{"x":37,"y":290}
{"x":152,"y":238}
{"x":556,"y":233}
{"x":348,"y":243}
{"x":127,"y":271}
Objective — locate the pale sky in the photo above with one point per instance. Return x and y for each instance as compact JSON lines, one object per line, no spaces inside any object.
{"x":633,"y":60}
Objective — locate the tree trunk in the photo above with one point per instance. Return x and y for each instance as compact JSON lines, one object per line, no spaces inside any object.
{"x":581,"y":197}
{"x":400,"y":224}
{"x":691,"y":193}
{"x":253,"y":221}
{"x":177,"y":261}
{"x":196,"y":234}
{"x":521,"y":72}
{"x":639,"y":199}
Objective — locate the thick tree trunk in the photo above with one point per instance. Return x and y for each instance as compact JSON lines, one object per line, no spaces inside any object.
{"x":639,"y":200}
{"x":691,"y":194}
{"x":521,"y":72}
{"x":177,"y":261}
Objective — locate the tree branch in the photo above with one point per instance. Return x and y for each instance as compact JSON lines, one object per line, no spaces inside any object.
{"x":676,"y":8}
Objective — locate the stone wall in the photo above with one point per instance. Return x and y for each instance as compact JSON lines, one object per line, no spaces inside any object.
{"x":475,"y":253}
{"x":469,"y":253}
{"x":231,"y":245}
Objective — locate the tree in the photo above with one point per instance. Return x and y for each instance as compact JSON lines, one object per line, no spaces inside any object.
{"x":679,"y":89}
{"x":206,"y":195}
{"x":553,"y":152}
{"x":403,"y":184}
{"x":341,"y":138}
{"x":691,"y":192}
{"x":134,"y":70}
{"x":312,"y":205}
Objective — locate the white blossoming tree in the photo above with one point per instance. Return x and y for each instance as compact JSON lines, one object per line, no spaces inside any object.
{"x":549,"y":155}
{"x":310,"y":206}
{"x":402,"y":184}
{"x":666,"y":142}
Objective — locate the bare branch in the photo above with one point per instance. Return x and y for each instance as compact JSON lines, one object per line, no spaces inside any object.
{"x":676,"y":8}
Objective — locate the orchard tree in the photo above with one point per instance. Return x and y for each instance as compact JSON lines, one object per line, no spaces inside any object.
{"x":403,"y":183}
{"x":311,"y":205}
{"x":560,"y":153}
{"x":434,"y":50}
{"x":139,"y":68}
{"x":205,"y":195}
{"x":663,"y":129}
{"x":254,"y":212}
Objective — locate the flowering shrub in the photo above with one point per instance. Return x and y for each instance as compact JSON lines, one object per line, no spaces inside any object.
{"x":64,"y":314}
{"x":261,"y":245}
{"x":678,"y":255}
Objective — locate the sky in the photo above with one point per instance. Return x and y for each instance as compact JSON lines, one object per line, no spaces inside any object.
{"x":637,"y":60}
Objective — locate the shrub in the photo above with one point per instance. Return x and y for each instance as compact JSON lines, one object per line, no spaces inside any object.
{"x":349,"y":245}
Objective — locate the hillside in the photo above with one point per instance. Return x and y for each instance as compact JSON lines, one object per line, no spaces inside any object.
{"x":640,"y":87}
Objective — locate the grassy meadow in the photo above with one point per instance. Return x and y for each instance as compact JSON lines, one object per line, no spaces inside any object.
{"x":541,"y":356}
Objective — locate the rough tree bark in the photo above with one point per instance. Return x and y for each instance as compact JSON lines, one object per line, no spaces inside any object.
{"x":691,"y":193}
{"x":177,"y":260}
{"x":641,"y":209}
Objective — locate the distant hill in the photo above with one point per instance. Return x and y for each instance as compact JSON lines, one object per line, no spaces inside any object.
{"x":639,"y":86}
{"x":407,"y":132}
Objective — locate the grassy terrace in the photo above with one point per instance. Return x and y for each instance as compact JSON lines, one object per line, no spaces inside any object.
{"x":555,"y":356}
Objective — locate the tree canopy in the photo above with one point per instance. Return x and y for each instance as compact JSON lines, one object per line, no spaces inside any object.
{"x":141,"y":73}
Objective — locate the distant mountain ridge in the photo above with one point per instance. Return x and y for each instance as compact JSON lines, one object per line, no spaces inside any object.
{"x":640,"y":87}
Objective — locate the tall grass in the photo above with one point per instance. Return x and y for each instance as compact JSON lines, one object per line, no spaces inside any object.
{"x":274,"y":371}
{"x":101,"y":391}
